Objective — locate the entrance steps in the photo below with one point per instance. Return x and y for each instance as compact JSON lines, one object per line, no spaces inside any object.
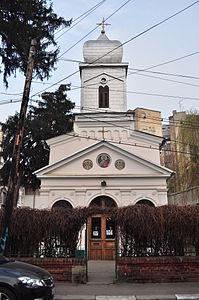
{"x":101,"y":271}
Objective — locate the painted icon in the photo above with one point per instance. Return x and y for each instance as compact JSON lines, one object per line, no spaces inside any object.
{"x":103,"y":160}
{"x":87,"y":164}
{"x":120,"y":164}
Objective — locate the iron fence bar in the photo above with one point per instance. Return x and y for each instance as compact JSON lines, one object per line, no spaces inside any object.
{"x":116,"y":250}
{"x":86,"y":249}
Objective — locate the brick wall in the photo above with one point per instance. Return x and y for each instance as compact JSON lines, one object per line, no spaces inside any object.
{"x":62,"y":269}
{"x":158,"y":269}
{"x":129,"y":269}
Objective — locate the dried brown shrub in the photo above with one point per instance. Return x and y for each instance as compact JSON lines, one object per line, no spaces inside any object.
{"x":144,"y":230}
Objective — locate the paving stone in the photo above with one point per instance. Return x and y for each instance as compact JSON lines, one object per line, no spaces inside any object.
{"x":75,"y":297}
{"x":156,"y":297}
{"x":115,"y":298}
{"x":187,"y":296}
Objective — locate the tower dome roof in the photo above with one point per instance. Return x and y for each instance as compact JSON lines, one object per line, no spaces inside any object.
{"x":102,"y":50}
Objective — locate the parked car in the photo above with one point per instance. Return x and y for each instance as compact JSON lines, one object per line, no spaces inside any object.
{"x":21,"y":281}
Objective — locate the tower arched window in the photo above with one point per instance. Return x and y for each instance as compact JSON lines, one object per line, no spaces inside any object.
{"x":104,"y":97}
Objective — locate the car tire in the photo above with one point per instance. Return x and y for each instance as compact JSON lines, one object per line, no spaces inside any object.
{"x":6,"y":294}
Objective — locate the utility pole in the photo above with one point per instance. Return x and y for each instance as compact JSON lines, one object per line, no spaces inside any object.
{"x":7,"y":208}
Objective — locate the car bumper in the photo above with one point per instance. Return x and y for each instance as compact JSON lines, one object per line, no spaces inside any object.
{"x":42,"y":293}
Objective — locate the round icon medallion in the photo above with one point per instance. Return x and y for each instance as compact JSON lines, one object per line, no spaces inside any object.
{"x":87,"y":164}
{"x":103,"y":160}
{"x":120,"y":164}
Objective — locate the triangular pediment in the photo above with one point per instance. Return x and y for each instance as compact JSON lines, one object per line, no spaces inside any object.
{"x":89,"y":162}
{"x":103,"y":74}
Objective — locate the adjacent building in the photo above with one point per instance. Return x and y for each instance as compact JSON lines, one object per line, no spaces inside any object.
{"x":149,"y":121}
{"x":171,"y":147}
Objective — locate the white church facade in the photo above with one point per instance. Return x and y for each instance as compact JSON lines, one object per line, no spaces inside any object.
{"x":105,"y":157}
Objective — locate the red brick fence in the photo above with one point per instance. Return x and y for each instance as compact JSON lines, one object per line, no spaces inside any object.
{"x":158,"y":269}
{"x":62,"y":269}
{"x":129,"y":269}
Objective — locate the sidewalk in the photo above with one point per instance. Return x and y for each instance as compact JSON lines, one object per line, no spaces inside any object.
{"x":127,"y":291}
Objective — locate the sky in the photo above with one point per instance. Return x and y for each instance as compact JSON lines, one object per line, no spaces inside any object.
{"x":177,"y":37}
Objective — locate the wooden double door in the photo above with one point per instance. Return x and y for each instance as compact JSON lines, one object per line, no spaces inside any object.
{"x":101,"y":238}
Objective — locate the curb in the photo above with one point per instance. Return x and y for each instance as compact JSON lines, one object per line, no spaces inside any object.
{"x":138,"y":297}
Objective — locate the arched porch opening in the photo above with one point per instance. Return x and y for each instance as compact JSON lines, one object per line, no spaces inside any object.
{"x":101,"y":231}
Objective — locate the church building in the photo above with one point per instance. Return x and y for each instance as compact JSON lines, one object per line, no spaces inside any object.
{"x":105,"y":161}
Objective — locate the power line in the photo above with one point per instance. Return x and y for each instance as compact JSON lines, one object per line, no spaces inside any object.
{"x":70,"y":75}
{"x":11,"y":101}
{"x":82,"y":17}
{"x":141,"y":70}
{"x":169,"y":80}
{"x":165,"y":73}
{"x":123,"y":127}
{"x":144,"y":70}
{"x":10,"y":94}
{"x":150,"y":28}
{"x":167,"y":62}
{"x":136,"y":92}
{"x":131,"y":73}
{"x":184,"y":124}
{"x":149,"y":68}
{"x":131,"y":39}
{"x":126,"y":144}
{"x":91,"y":31}
{"x":101,"y":110}
{"x":141,"y":93}
{"x":127,"y":128}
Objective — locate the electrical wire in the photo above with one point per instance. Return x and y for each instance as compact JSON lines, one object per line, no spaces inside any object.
{"x":70,"y":75}
{"x":91,"y":31}
{"x":167,"y":62}
{"x":136,"y":92}
{"x":141,"y":34}
{"x":11,"y":101}
{"x":131,"y":73}
{"x":10,"y":94}
{"x":184,"y":124}
{"x":123,"y":127}
{"x":181,"y":123}
{"x":148,"y":29}
{"x":127,"y":128}
{"x":145,"y":70}
{"x":127,"y":144}
{"x":82,"y":17}
{"x":165,"y":73}
{"x":169,"y":80}
{"x":157,"y":24}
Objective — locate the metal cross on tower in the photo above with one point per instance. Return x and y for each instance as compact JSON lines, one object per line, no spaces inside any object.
{"x":103,"y":24}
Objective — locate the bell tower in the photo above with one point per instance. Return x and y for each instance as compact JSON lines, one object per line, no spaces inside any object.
{"x":103,"y":75}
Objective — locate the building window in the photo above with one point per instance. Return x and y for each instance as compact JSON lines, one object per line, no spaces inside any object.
{"x":96,"y":228}
{"x":62,"y":204}
{"x":110,"y":228}
{"x":104,"y":97}
{"x":103,"y":201}
{"x":145,"y":202}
